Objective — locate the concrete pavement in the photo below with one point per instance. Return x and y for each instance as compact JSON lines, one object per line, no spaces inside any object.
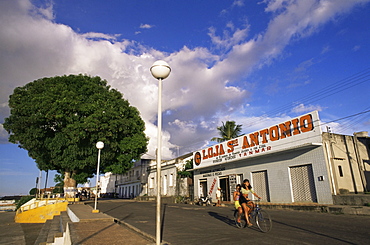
{"x":98,"y":228}
{"x":10,"y":232}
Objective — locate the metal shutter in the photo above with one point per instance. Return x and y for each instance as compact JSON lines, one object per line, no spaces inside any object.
{"x":260,"y":185}
{"x":303,"y":185}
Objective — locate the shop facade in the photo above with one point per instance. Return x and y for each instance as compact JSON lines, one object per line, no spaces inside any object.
{"x":285,"y":163}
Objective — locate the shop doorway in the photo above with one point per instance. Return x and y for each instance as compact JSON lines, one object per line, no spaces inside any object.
{"x":203,"y":190}
{"x":225,"y":189}
{"x":303,"y":185}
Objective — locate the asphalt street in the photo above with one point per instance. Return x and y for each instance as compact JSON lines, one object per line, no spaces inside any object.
{"x":190,"y":224}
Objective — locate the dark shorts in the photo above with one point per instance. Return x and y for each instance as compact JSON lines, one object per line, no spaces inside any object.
{"x":243,"y":200}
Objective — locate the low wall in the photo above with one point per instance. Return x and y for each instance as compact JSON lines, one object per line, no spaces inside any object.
{"x":170,"y":199}
{"x":40,"y":214}
{"x":352,"y":199}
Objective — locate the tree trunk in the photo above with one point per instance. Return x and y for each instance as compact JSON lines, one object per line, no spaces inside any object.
{"x":70,"y":185}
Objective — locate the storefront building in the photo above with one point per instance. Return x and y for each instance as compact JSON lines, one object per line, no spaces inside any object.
{"x":285,"y":163}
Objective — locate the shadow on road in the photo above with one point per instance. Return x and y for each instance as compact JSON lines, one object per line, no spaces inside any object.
{"x":222,"y":218}
{"x":109,"y":210}
{"x":163,"y":219}
{"x":95,"y":234}
{"x":313,"y":232}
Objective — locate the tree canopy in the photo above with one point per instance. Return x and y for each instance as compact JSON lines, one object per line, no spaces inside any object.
{"x":228,"y":131}
{"x":58,"y":121}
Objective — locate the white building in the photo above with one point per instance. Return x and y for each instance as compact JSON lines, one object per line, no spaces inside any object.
{"x":289,"y":162}
{"x":107,"y":183}
{"x":134,"y":182}
{"x":171,"y":184}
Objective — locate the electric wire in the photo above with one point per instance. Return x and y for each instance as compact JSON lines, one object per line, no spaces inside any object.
{"x":329,"y":90}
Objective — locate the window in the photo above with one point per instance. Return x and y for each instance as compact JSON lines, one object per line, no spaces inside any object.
{"x":340,"y":171}
{"x":239,"y":179}
{"x":151,"y":182}
{"x":171,"y":180}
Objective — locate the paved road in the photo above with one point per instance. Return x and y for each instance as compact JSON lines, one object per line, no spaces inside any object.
{"x":18,"y":234}
{"x":188,"y":224}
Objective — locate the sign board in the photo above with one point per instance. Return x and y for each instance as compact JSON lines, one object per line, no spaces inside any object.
{"x":298,"y":131}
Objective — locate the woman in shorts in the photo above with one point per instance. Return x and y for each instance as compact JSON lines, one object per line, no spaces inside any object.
{"x":244,"y":200}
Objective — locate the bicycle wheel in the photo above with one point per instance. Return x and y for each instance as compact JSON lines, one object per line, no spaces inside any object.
{"x":242,"y":222}
{"x":263,"y":221}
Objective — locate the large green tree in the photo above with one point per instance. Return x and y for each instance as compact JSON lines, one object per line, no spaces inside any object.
{"x":58,"y":121}
{"x":228,"y":131}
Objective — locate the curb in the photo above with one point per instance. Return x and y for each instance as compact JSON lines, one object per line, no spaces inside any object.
{"x":138,"y":231}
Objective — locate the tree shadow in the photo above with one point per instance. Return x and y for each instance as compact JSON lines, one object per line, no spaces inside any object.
{"x":95,"y":234}
{"x":109,"y":210}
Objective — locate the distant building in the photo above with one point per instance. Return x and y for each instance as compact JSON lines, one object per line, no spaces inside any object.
{"x":134,"y":182}
{"x":7,"y":203}
{"x":140,"y":180}
{"x":171,"y":184}
{"x":107,"y":183}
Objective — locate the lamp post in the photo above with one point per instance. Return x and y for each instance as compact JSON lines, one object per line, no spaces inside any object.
{"x":160,"y":70}
{"x":99,"y":145}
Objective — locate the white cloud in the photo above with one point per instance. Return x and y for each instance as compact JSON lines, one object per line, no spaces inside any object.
{"x":47,"y":11}
{"x":146,"y":26}
{"x":356,"y":48}
{"x":301,"y":108}
{"x":238,"y":3}
{"x":325,"y":49}
{"x":303,"y":66}
{"x":96,"y":35}
{"x":3,"y":135}
{"x":229,"y":38}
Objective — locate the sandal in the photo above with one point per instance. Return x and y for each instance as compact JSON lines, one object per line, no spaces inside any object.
{"x":250,"y":225}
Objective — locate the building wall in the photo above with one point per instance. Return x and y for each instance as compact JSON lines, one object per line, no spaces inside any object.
{"x":107,"y":183}
{"x":277,"y":167}
{"x":168,"y":180}
{"x":171,"y":184}
{"x":349,"y":162}
{"x":135,"y":181}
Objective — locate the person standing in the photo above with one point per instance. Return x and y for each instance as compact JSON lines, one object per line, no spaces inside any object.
{"x":218,"y":197}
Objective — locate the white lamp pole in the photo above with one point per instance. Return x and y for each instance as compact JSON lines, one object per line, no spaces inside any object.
{"x":160,"y":70}
{"x":99,"y":145}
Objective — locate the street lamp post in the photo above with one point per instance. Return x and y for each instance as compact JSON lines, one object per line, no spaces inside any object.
{"x":99,"y":145}
{"x":160,"y":70}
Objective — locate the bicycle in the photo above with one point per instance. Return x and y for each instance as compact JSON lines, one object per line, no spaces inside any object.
{"x":260,"y":217}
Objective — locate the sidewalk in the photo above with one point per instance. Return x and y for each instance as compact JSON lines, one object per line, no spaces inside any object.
{"x":333,"y":209}
{"x":98,"y":228}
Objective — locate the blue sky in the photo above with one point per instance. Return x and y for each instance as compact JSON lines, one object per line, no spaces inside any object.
{"x":254,"y":62}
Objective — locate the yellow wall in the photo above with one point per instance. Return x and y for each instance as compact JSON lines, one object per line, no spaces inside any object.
{"x":41,"y":214}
